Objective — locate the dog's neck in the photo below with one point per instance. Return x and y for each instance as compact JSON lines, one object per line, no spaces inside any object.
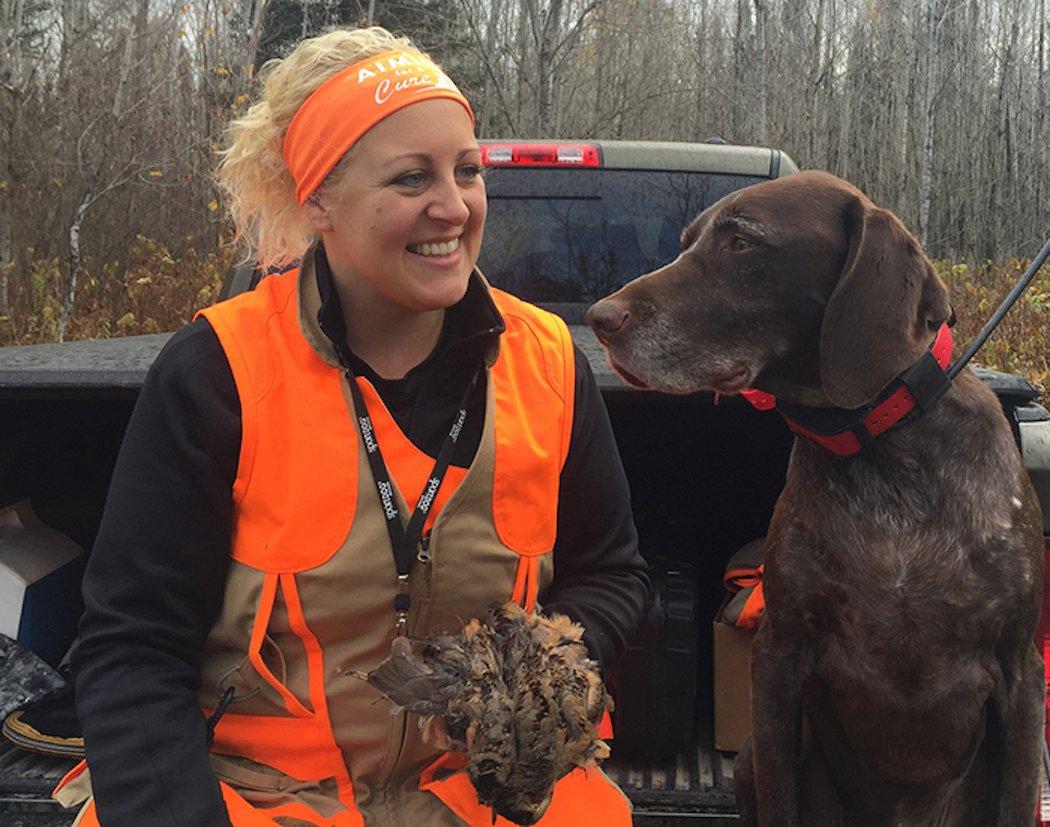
{"x":912,"y":394}
{"x":935,"y":468}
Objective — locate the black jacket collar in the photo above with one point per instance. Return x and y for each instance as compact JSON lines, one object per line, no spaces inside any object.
{"x":472,"y":325}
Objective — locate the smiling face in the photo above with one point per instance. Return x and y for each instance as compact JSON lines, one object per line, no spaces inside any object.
{"x":403,"y":230}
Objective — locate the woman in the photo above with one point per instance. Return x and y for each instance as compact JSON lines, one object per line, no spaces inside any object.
{"x":259,"y":541}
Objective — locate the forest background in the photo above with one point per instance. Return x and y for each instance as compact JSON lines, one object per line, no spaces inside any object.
{"x":111,"y":112}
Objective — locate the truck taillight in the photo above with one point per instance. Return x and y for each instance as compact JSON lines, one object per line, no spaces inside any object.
{"x":540,"y":155}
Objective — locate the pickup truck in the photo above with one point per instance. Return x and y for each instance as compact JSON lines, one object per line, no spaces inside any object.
{"x":568,"y":223}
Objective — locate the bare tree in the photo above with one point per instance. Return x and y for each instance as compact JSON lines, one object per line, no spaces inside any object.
{"x":94,"y":187}
{"x":110,"y":113}
{"x":761,"y":90}
{"x":933,"y":49}
{"x":12,"y":90}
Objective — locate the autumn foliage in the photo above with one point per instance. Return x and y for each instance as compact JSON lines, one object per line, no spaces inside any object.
{"x":156,"y":292}
{"x":1021,"y":342}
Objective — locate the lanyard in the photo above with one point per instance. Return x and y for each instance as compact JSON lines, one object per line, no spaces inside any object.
{"x":403,"y":541}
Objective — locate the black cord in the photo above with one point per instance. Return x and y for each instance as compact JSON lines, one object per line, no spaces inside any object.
{"x":997,"y":317}
{"x":220,"y":709}
{"x":1045,"y":780}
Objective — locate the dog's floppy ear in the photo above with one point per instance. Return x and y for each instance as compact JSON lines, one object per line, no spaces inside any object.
{"x":884,"y":309}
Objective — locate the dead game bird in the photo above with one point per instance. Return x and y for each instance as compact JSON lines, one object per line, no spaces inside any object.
{"x":517,"y":693}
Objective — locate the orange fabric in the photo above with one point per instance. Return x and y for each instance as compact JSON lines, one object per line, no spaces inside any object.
{"x":343,"y":108}
{"x":273,"y":741}
{"x":746,"y":579}
{"x":302,"y":746}
{"x":259,"y":626}
{"x":527,"y":583}
{"x":316,"y":445}
{"x":583,"y":798}
{"x":286,"y":744}
{"x":243,"y":814}
{"x":296,"y":490}
{"x":533,"y":424}
{"x":754,"y":608}
{"x":315,"y":665}
{"x":408,"y":466}
{"x":315,"y":474}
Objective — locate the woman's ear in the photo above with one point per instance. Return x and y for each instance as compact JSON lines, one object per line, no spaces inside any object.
{"x":316,"y":213}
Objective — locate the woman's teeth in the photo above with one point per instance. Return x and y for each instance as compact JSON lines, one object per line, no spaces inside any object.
{"x":442,"y":249}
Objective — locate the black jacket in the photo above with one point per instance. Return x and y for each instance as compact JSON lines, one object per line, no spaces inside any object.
{"x":155,"y":579}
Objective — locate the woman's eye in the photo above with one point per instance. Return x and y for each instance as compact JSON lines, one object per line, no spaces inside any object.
{"x":411,"y":179}
{"x":470,"y":172}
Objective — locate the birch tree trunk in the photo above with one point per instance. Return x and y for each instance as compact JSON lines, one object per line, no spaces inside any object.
{"x":69,"y":35}
{"x":813,"y":84}
{"x":92,"y":192}
{"x":760,"y":72}
{"x":69,"y":300}
{"x":827,"y":97}
{"x":1042,"y":100}
{"x":739,"y":63}
{"x":933,"y":47}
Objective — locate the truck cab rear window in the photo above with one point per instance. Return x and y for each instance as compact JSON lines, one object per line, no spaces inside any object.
{"x":565,"y":238}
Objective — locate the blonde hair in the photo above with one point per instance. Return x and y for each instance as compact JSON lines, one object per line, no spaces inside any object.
{"x":259,"y":188}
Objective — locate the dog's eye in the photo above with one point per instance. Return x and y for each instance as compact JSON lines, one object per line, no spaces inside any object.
{"x":739,"y":244}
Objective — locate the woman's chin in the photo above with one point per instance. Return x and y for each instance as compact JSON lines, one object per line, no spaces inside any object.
{"x":440,"y":293}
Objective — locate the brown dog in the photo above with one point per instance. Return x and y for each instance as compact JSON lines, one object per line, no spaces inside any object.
{"x":894,"y":676}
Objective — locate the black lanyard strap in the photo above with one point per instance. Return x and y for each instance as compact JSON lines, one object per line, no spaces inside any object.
{"x":403,"y":541}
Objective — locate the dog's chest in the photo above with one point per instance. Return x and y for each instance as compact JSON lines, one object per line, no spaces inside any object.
{"x":913,"y":591}
{"x":903,"y":643}
{"x":910,"y":618}
{"x":892,"y":566}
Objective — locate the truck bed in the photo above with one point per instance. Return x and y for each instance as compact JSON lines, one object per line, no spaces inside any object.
{"x":687,"y":789}
{"x":69,"y":403}
{"x":118,"y":367}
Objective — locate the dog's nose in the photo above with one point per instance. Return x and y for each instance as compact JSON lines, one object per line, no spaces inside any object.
{"x":607,"y":317}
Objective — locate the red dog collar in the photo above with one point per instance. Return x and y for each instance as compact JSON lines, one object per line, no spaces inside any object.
{"x":845,"y":433}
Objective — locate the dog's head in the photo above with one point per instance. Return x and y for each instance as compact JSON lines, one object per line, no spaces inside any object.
{"x":799,"y":286}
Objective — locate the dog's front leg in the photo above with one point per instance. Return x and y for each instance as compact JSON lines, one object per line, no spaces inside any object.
{"x":778,"y":667}
{"x":1019,"y":706}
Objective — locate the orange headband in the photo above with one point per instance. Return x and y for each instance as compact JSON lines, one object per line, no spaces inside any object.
{"x":343,"y":108}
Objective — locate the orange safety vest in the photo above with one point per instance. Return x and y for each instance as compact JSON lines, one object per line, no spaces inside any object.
{"x":303,"y":508}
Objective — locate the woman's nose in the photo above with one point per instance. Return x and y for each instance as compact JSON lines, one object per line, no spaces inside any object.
{"x":448,"y":204}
